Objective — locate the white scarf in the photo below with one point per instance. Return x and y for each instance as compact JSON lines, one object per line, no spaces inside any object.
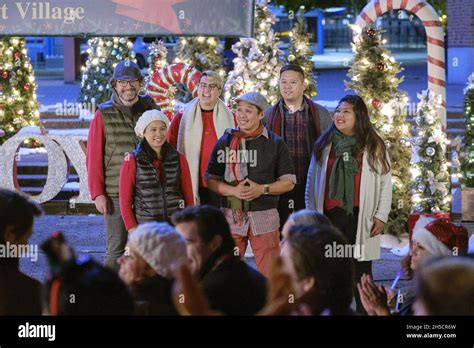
{"x":190,"y":135}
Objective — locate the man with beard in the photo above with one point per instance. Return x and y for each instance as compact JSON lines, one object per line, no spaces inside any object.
{"x":111,"y":137}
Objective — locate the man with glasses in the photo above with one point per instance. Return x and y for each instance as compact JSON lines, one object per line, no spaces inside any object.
{"x":195,"y":131}
{"x":300,"y":122}
{"x":111,"y":137}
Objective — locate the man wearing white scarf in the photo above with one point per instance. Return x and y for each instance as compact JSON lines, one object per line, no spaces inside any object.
{"x":195,"y":132}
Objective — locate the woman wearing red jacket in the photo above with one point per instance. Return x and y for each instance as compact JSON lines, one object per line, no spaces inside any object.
{"x":154,"y":181}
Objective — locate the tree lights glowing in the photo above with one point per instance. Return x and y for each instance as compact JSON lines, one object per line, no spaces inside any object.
{"x":258,"y":61}
{"x":104,"y":55}
{"x":18,"y":103}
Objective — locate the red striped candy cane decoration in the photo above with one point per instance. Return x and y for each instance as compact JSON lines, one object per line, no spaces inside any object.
{"x":160,"y":86}
{"x":434,"y":35}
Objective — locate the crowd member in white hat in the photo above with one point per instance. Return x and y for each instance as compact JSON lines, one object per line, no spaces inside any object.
{"x":154,"y":179}
{"x":153,"y":254}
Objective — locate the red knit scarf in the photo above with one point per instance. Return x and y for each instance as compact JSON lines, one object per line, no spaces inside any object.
{"x":235,"y":144}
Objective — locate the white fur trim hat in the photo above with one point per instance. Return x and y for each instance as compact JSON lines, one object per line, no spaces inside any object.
{"x":161,"y":247}
{"x":147,"y":117}
{"x":440,"y":237}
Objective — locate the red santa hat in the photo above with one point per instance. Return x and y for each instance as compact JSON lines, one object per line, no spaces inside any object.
{"x":440,"y":237}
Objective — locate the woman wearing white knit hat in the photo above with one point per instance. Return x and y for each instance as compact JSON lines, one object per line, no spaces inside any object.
{"x":154,"y":180}
{"x":154,"y":253}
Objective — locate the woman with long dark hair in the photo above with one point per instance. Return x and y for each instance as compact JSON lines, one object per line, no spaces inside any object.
{"x":349,"y":180}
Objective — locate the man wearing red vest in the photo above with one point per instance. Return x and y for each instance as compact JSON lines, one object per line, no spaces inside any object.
{"x":299,"y":121}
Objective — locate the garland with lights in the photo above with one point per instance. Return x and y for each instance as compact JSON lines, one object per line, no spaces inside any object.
{"x":104,"y":55}
{"x":430,"y":175}
{"x":467,"y":160}
{"x":300,"y":53}
{"x":373,"y":74}
{"x":258,"y":61}
{"x":18,"y":103}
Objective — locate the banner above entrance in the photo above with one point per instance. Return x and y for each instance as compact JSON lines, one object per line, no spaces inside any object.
{"x":127,"y":18}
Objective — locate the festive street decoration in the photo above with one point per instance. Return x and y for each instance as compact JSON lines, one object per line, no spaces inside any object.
{"x":158,"y":56}
{"x":104,"y":55}
{"x":258,"y":61}
{"x":202,"y":53}
{"x":373,"y":75}
{"x":57,"y":147}
{"x":430,"y":176}
{"x":467,"y":160}
{"x":300,"y":53}
{"x":162,"y":85}
{"x":18,"y":103}
{"x":434,"y":37}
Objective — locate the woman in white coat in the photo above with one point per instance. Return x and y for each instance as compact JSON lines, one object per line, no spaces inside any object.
{"x":349,"y":180}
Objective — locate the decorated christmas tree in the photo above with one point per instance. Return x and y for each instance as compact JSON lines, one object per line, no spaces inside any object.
{"x":373,"y":74}
{"x":431,"y":181}
{"x":18,"y":104}
{"x":104,"y":54}
{"x":158,"y":56}
{"x":202,"y":53}
{"x":258,"y":61}
{"x":467,"y":161}
{"x":300,"y":53}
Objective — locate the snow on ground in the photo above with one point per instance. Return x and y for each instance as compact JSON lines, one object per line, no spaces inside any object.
{"x":62,"y":132}
{"x":30,"y":130}
{"x":69,"y":109}
{"x":72,"y":131}
{"x":397,"y":246}
{"x":24,"y":151}
{"x":72,"y":186}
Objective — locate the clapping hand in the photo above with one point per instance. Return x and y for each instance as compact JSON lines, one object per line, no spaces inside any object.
{"x":373,"y":297}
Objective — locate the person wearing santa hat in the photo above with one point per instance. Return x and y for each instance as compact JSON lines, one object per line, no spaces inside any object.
{"x":431,"y":238}
{"x":154,"y":180}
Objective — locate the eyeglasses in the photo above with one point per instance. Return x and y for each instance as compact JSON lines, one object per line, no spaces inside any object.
{"x":211,"y":86}
{"x":124,"y":83}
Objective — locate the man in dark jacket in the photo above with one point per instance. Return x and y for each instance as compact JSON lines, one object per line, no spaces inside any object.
{"x":111,"y":137}
{"x":19,"y":294}
{"x":230,"y":285}
{"x":300,"y":122}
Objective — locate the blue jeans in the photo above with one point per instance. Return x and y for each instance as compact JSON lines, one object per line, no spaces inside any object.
{"x":116,"y":235}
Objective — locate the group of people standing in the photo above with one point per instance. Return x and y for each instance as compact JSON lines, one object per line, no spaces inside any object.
{"x":182,"y":200}
{"x":258,"y":164}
